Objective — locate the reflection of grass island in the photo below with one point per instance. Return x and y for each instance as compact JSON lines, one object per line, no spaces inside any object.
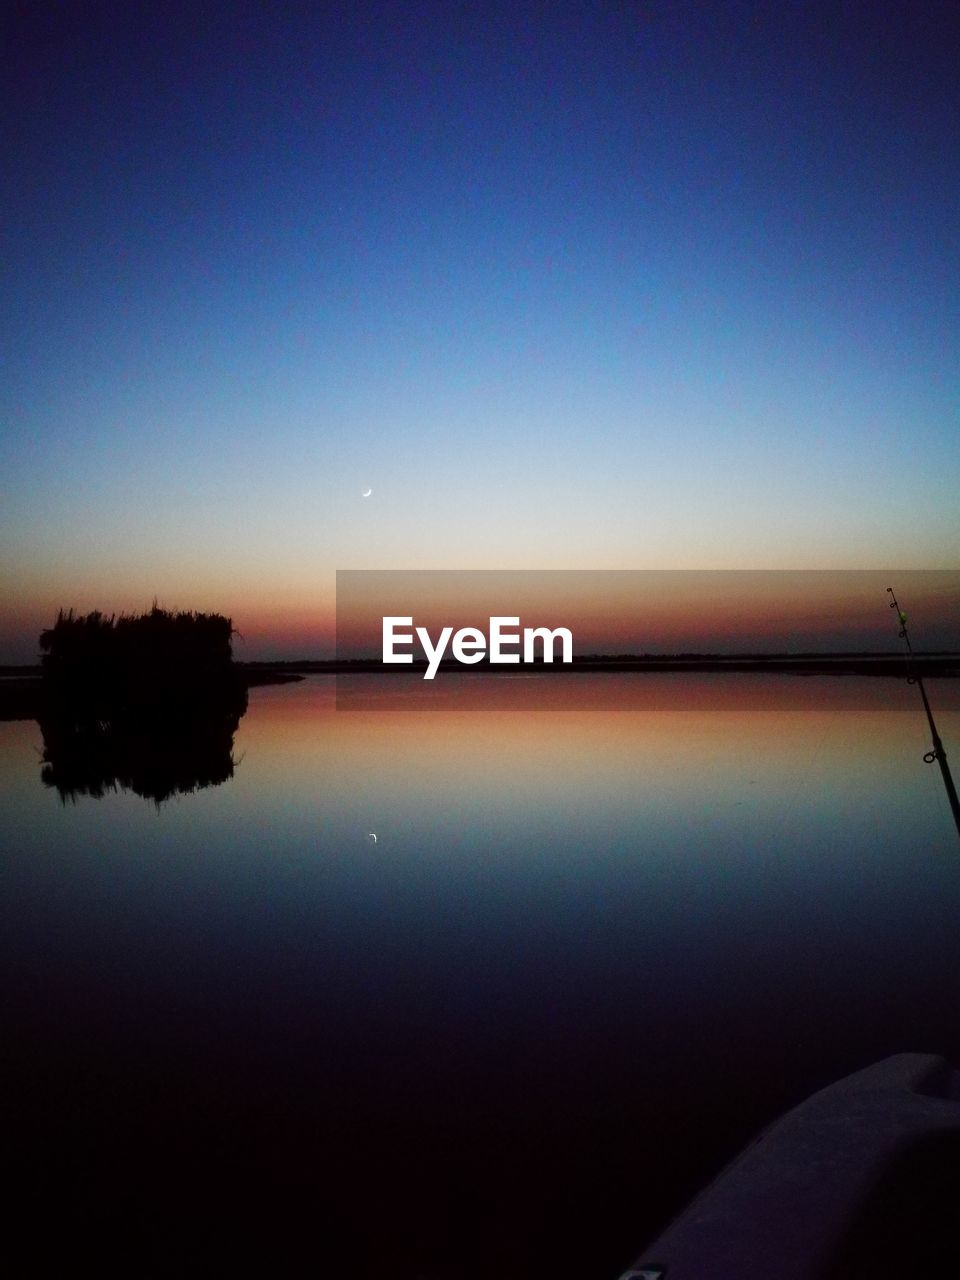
{"x":153,"y":758}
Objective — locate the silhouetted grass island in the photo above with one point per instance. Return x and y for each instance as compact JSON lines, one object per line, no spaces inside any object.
{"x":160,"y":663}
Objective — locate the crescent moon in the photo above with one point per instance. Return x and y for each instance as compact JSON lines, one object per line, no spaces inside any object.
{"x":366,"y":493}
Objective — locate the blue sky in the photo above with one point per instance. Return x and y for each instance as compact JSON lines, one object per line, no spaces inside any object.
{"x":567,"y":285}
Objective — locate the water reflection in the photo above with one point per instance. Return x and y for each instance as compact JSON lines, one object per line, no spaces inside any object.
{"x":594,"y":948}
{"x":156,"y":756}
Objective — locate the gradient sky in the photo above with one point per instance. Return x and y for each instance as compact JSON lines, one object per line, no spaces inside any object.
{"x":652,"y":285}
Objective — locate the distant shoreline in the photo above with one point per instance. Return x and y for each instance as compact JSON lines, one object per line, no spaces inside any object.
{"x":874,"y":664}
{"x":21,"y":688}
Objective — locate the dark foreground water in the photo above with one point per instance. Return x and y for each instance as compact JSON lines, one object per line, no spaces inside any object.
{"x":595,"y":946}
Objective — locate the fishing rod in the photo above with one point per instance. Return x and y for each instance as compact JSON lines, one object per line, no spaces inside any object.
{"x":938,"y":752}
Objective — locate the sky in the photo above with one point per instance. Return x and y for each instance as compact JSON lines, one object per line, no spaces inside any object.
{"x":566,"y":286}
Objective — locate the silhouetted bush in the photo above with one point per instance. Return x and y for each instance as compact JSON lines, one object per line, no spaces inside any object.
{"x":159,"y":661}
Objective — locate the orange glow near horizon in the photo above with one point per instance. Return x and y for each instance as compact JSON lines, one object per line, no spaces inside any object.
{"x":659,"y":612}
{"x":607,"y":611}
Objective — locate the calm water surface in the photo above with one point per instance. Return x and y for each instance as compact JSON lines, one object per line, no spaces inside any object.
{"x":610,"y":926}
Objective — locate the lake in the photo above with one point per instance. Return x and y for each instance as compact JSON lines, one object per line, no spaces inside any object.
{"x":610,"y":926}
